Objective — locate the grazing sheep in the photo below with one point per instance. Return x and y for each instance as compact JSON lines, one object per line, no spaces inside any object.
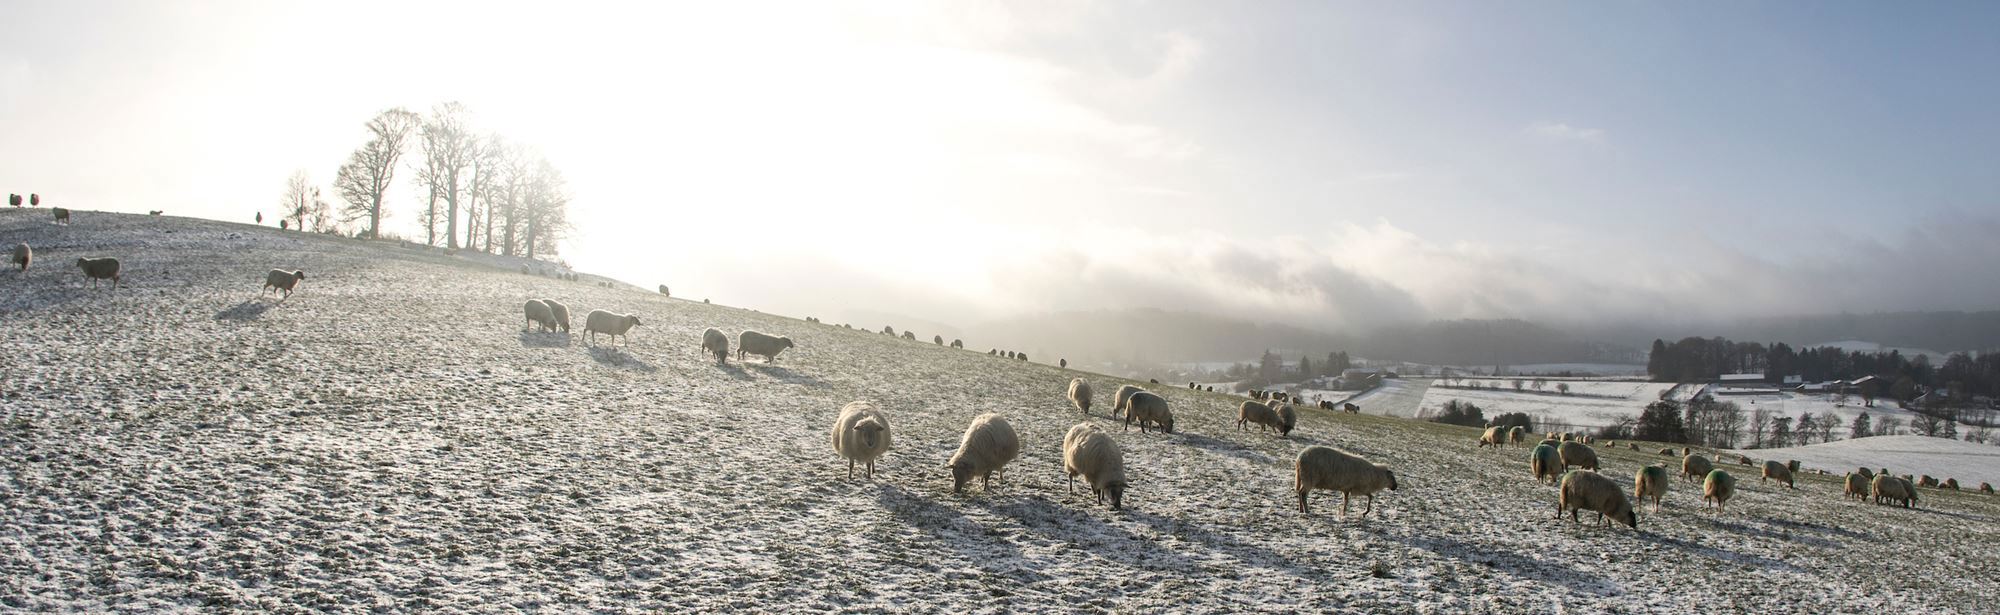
{"x":1886,"y":487}
{"x":1650,"y":482}
{"x":716,"y":343}
{"x":1586,"y":490}
{"x":860,"y":434}
{"x":663,"y":290}
{"x":988,"y":445}
{"x":767,"y":346}
{"x":100,"y":269}
{"x":62,"y":215}
{"x":1088,"y":451}
{"x":1145,"y":407}
{"x":1209,"y":389}
{"x":1951,"y":483}
{"x":888,"y":330}
{"x":1022,"y":356}
{"x":1695,"y":467}
{"x":1631,"y":446}
{"x":1577,"y":454}
{"x":281,"y":280}
{"x":1856,"y":486}
{"x":561,"y":312}
{"x":614,"y":325}
{"x":156,"y":212}
{"x":1865,"y":473}
{"x":1718,"y":488}
{"x":1253,"y":411}
{"x":1288,"y":419}
{"x":1667,"y":451}
{"x":1779,"y":472}
{"x":1331,"y":469}
{"x":1792,"y":465}
{"x":1986,"y":488}
{"x":1118,"y":399}
{"x":23,"y":255}
{"x":958,"y":344}
{"x":1352,"y":408}
{"x":1545,"y":463}
{"x":1517,"y":436}
{"x":1493,"y":436}
{"x":909,"y":336}
{"x":937,"y":339}
{"x":538,"y":314}
{"x":1927,"y":481}
{"x":1079,"y":394}
{"x":1740,"y":459}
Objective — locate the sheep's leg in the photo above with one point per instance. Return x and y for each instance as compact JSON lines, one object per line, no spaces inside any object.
{"x":1302,"y":502}
{"x":1072,"y":482}
{"x":850,"y":469}
{"x":871,"y":469}
{"x":1344,"y":498}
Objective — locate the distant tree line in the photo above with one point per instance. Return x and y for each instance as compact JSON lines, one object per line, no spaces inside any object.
{"x":1962,"y":376}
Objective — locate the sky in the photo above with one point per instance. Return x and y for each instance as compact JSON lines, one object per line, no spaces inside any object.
{"x":1335,"y":165}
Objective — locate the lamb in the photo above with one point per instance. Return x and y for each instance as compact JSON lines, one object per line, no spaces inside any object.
{"x":1331,"y":469}
{"x":1718,"y":488}
{"x":1695,"y":467}
{"x":1856,"y":486}
{"x":1886,"y":487}
{"x":1088,"y":451}
{"x":62,"y":215}
{"x":600,"y":321}
{"x":1517,"y":436}
{"x":714,"y":342}
{"x":1256,"y":412}
{"x":100,"y":269}
{"x":988,"y":445}
{"x":1079,"y":394}
{"x":1493,"y":436}
{"x":860,"y":434}
{"x":1145,"y":407}
{"x":1577,"y":454}
{"x":1118,"y":399}
{"x":23,"y":255}
{"x":1586,"y":490}
{"x":538,"y":314}
{"x":561,"y":312}
{"x":1779,"y":472}
{"x":1544,"y":462}
{"x":279,"y":279}
{"x":752,"y":342}
{"x":1651,"y":481}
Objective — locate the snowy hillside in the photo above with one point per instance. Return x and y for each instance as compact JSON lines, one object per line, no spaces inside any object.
{"x":1943,"y":458}
{"x":390,"y":439}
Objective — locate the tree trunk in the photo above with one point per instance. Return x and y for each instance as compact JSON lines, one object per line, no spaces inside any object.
{"x":451,"y":213}
{"x":431,"y":220}
{"x":375,"y":217}
{"x":531,"y":237}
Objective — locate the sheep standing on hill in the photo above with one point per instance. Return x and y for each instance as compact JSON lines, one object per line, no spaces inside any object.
{"x":988,"y":445}
{"x":1577,"y":454}
{"x":937,"y":339}
{"x":714,"y":342}
{"x":958,"y":344}
{"x":860,"y":434}
{"x":1778,"y":472}
{"x":1332,"y":469}
{"x":1088,"y":451}
{"x":1886,"y":487}
{"x":1856,"y":486}
{"x":560,"y":312}
{"x":99,"y":269}
{"x":1517,"y":436}
{"x":1351,"y":408}
{"x":909,"y":336}
{"x":23,"y":255}
{"x":1718,"y":488}
{"x":1146,"y":407}
{"x":1586,"y":490}
{"x":1256,"y":412}
{"x":1927,"y":481}
{"x":1695,"y":468}
{"x":1079,"y":394}
{"x":1493,"y":436}
{"x":614,"y":325}
{"x":1650,"y":482}
{"x":752,"y":342}
{"x":1545,"y":463}
{"x":663,"y":291}
{"x":1986,"y":488}
{"x":537,"y":314}
{"x":281,"y":280}
{"x":1951,"y":483}
{"x":1118,"y":399}
{"x":62,"y":215}
{"x":1865,"y":473}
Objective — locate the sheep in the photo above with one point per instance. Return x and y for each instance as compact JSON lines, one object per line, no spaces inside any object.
{"x":1209,"y":388}
{"x":1145,"y":407}
{"x":1886,"y":487}
{"x":1493,"y":436}
{"x":1856,"y":486}
{"x":957,"y":344}
{"x":1352,"y":408}
{"x":1062,"y":363}
{"x":1667,"y":452}
{"x":988,"y":445}
{"x":100,"y":269}
{"x":1951,"y":483}
{"x":937,"y":339}
{"x":1545,"y":463}
{"x":600,"y":321}
{"x":1927,"y":481}
{"x":279,"y":279}
{"x":1253,"y":411}
{"x":1577,"y":454}
{"x":1088,"y":451}
{"x":23,"y":255}
{"x":1792,"y":465}
{"x":1718,"y":488}
{"x":561,"y":312}
{"x":1650,"y":481}
{"x":156,"y":212}
{"x":62,"y":215}
{"x":909,"y":336}
{"x":860,"y":434}
{"x":1779,"y":472}
{"x":1986,"y":488}
{"x":752,"y":342}
{"x":714,"y":342}
{"x":1865,"y":473}
{"x":1288,"y":419}
{"x":1586,"y":490}
{"x":1740,"y":459}
{"x":1695,"y":467}
{"x":1021,"y":355}
{"x":1517,"y":436}
{"x":663,"y":291}
{"x":1331,"y":469}
{"x":537,"y":313}
{"x":1118,"y":399}
{"x":1079,"y":394}
{"x":1632,"y":446}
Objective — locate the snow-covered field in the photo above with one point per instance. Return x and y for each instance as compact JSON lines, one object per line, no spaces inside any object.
{"x":390,"y":439}
{"x":1590,"y":402}
{"x":1970,"y":463}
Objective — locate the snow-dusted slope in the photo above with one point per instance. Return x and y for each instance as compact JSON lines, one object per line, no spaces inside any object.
{"x":1943,"y":458}
{"x":390,"y":439}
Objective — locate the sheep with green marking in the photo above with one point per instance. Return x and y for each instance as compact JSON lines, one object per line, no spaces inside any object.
{"x":1545,"y":463}
{"x":1718,"y":488}
{"x":1586,"y":490}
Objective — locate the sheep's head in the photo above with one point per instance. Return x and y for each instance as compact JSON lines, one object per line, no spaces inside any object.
{"x":631,"y":321}
{"x":1392,"y":479}
{"x":870,"y":431}
{"x":1167,"y":424}
{"x":1627,"y":516}
{"x":301,"y":274}
{"x":785,"y":341}
{"x":83,"y":262}
{"x":961,"y":473}
{"x":1116,"y":492}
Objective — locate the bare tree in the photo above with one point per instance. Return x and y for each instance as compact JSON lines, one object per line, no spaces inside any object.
{"x":1760,"y":424}
{"x":547,"y":207}
{"x":365,"y":179}
{"x":448,"y":152}
{"x":298,"y":200}
{"x":319,"y":213}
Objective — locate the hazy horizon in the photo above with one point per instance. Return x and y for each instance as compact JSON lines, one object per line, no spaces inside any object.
{"x":1327,"y":166}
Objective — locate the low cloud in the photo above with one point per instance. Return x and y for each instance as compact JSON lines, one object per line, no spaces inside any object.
{"x":1557,"y":131}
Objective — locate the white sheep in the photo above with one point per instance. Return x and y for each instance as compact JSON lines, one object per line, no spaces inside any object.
{"x":1856,"y":486}
{"x":714,"y":342}
{"x":1493,"y":436}
{"x":614,"y":325}
{"x":1695,"y":467}
{"x":1079,"y":394}
{"x":1331,"y":469}
{"x":1545,"y":463}
{"x":281,"y":280}
{"x":1651,"y":481}
{"x":561,"y":314}
{"x":1577,"y":454}
{"x":1288,"y":419}
{"x":988,"y":445}
{"x":860,"y":434}
{"x":1118,"y":400}
{"x":1088,"y":451}
{"x":1587,"y":490}
{"x":100,"y":269}
{"x":1718,"y":488}
{"x":1517,"y":436}
{"x":1773,"y":470}
{"x":1146,"y":407}
{"x":752,"y":342}
{"x":537,"y":313}
{"x":1886,"y":487}
{"x":1252,"y":411}
{"x":22,"y":256}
